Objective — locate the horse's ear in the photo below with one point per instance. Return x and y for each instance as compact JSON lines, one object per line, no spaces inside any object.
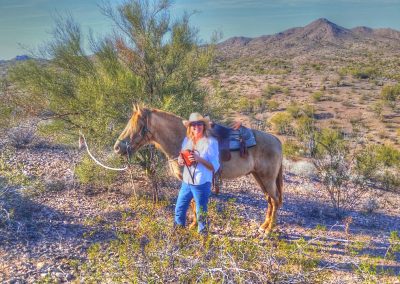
{"x":136,"y":107}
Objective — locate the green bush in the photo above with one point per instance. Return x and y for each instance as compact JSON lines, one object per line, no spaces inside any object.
{"x":390,"y":93}
{"x":317,"y":96}
{"x":359,"y":72}
{"x":364,"y":73}
{"x":272,"y":105}
{"x":271,"y":90}
{"x":282,"y":123}
{"x":377,"y":108}
{"x":294,"y":109}
{"x":89,"y":173}
{"x":380,"y":163}
{"x":292,"y":149}
{"x":388,"y":155}
{"x":244,"y":105}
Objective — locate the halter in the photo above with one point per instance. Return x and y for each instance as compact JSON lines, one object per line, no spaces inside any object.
{"x":144,"y":133}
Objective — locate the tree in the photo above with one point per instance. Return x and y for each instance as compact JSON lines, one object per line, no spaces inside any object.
{"x":149,"y":59}
{"x":166,"y":55}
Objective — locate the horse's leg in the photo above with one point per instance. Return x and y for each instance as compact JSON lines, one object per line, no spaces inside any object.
{"x":269,"y":206}
{"x":272,"y":223}
{"x":194,"y":221}
{"x":267,"y":215}
{"x":269,"y":188}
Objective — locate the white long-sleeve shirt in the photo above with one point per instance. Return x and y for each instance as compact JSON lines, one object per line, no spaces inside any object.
{"x":207,"y":148}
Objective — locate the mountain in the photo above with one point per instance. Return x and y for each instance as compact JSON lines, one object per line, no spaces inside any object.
{"x":316,"y":36}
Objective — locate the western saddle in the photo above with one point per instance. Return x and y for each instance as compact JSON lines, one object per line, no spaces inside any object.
{"x":230,"y":140}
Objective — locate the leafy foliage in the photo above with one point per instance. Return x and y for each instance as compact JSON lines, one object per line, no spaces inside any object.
{"x":282,"y":123}
{"x":336,"y":169}
{"x":391,"y":93}
{"x":150,"y":59}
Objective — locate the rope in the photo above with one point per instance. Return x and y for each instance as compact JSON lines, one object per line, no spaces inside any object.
{"x":82,"y":139}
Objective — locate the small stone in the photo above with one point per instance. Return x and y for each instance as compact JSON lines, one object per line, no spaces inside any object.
{"x":40,"y":265}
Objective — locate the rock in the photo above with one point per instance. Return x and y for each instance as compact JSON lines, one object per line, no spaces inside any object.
{"x":40,"y":265}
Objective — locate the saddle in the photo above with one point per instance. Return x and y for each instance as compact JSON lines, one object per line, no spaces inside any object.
{"x":232,"y":140}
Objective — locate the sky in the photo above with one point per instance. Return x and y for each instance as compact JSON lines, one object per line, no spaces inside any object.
{"x":27,"y":24}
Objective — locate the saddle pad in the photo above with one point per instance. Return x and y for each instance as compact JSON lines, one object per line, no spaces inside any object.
{"x":230,"y":139}
{"x":242,"y":133}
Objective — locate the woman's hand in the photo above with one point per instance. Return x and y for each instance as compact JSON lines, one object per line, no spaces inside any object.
{"x":195,"y":157}
{"x":236,"y":125}
{"x":181,"y":162}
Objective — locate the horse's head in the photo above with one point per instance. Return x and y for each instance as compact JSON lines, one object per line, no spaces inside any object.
{"x":136,"y":133}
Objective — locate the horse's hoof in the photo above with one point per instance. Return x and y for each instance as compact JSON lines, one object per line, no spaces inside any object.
{"x":268,"y":232}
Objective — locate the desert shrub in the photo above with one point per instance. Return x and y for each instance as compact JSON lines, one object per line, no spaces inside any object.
{"x":271,"y":90}
{"x":298,"y":111}
{"x":89,"y":173}
{"x":359,"y":72}
{"x":364,"y":73}
{"x":388,"y":155}
{"x":294,"y":109}
{"x":292,"y":149}
{"x":21,"y":136}
{"x":339,"y":174}
{"x":377,"y":108}
{"x":282,"y":123}
{"x":379,"y":164}
{"x":317,"y":96}
{"x":390,"y":180}
{"x":244,"y":105}
{"x":390,"y":93}
{"x":259,"y":104}
{"x":12,"y":175}
{"x":304,"y":125}
{"x":272,"y":105}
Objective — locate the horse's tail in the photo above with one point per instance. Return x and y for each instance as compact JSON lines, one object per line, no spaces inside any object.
{"x":279,"y":184}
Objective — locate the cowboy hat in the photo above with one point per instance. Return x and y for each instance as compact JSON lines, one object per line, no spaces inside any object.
{"x":195,"y":116}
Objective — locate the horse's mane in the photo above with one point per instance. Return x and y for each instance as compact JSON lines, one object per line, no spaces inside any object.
{"x":165,"y":114}
{"x":146,"y":111}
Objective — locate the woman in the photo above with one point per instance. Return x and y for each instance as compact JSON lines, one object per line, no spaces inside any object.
{"x":197,"y":177}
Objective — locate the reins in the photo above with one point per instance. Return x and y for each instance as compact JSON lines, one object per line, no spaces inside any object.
{"x":82,"y":142}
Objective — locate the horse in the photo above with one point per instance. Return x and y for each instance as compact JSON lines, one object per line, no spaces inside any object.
{"x":166,"y":131}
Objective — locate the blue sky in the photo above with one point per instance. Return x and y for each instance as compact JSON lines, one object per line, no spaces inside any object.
{"x":28,"y":23}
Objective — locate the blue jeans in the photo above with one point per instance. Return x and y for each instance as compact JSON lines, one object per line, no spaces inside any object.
{"x":201,"y":194}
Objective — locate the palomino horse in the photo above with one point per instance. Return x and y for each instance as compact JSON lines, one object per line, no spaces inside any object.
{"x":166,"y":131}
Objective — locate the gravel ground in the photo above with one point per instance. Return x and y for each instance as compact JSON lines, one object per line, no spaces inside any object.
{"x":50,"y":231}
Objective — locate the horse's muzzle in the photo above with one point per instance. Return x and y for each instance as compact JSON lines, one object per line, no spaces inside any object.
{"x":120,"y":148}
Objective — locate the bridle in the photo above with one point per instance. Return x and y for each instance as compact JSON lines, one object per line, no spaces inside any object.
{"x":145,"y":135}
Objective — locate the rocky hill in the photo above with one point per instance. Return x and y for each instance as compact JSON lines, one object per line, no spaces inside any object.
{"x":318,"y":36}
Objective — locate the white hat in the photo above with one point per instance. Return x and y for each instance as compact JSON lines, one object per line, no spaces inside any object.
{"x":195,"y":116}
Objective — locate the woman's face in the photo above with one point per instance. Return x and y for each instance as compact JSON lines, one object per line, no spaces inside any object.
{"x":197,"y":128}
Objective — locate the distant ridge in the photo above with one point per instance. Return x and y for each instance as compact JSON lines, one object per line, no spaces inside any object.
{"x":22,"y":57}
{"x":319,"y":34}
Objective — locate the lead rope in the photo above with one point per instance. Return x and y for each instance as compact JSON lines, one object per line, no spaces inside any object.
{"x":195,"y":167}
{"x":82,"y":142}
